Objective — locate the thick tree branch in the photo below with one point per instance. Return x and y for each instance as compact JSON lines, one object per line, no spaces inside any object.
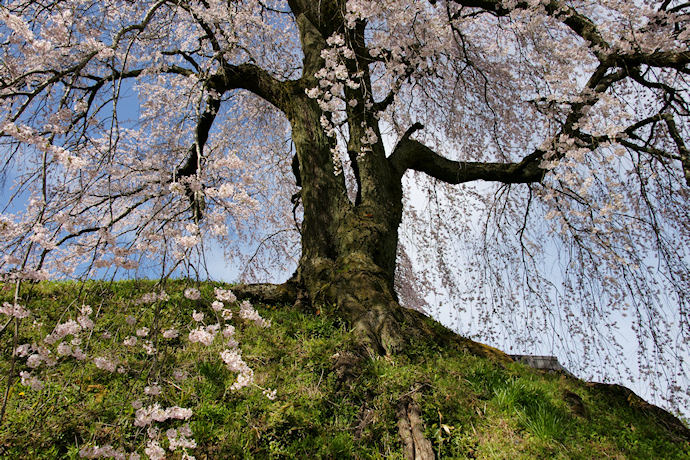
{"x":630,"y":133}
{"x":411,"y":430}
{"x":678,"y":60}
{"x":313,"y":42}
{"x":682,"y":148}
{"x":192,"y":164}
{"x":140,"y":27}
{"x":324,"y":16}
{"x":671,"y":94}
{"x":383,"y":104}
{"x":577,"y":22}
{"x":253,"y":79}
{"x":587,"y":30}
{"x":411,"y":154}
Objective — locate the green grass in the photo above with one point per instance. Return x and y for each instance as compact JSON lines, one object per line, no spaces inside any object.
{"x":333,"y":400}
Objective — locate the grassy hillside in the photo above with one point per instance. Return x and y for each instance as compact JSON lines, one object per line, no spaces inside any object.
{"x":331,"y":400}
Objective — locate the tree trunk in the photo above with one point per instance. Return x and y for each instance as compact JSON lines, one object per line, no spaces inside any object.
{"x":349,"y":252}
{"x":348,"y":249}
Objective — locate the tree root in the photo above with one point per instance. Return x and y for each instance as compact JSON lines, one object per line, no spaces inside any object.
{"x":287,"y":292}
{"x":411,"y":429}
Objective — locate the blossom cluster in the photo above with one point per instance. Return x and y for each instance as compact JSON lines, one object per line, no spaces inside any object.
{"x":248,"y":312}
{"x":27,"y":135}
{"x":146,"y":416}
{"x":30,"y":381}
{"x":66,"y":339}
{"x":107,"y":451}
{"x":14,"y":310}
{"x":224,"y":295}
{"x":37,"y":355}
{"x":234,"y":362}
{"x":206,"y":334}
{"x":334,"y":79}
{"x":151,"y":297}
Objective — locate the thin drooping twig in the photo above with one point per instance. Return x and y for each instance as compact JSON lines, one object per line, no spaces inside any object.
{"x":13,"y":358}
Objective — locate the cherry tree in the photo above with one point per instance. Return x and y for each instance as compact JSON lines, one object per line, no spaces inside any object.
{"x":548,"y":139}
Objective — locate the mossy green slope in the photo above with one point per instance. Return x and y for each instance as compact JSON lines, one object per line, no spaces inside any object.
{"x":333,"y":400}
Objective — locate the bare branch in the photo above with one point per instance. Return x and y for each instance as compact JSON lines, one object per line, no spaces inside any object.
{"x":411,"y":154}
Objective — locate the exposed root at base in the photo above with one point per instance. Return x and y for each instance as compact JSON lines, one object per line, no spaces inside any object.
{"x":411,"y":429}
{"x":287,"y":292}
